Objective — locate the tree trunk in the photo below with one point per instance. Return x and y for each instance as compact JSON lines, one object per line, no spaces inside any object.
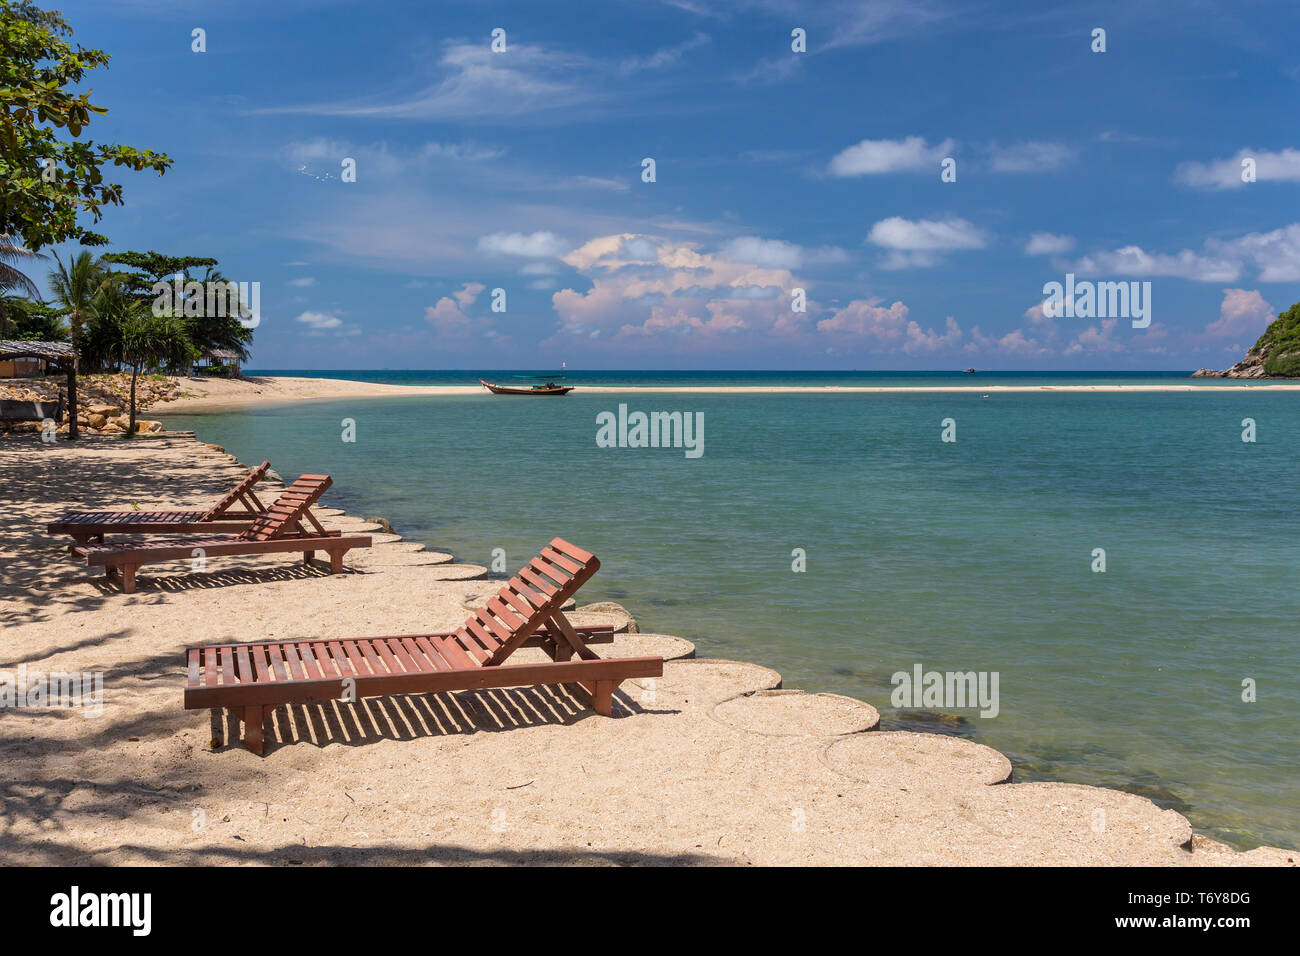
{"x":72,"y":401}
{"x":135,"y":372}
{"x":75,"y":323}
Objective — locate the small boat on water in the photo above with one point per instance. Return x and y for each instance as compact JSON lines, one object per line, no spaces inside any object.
{"x":550,"y":388}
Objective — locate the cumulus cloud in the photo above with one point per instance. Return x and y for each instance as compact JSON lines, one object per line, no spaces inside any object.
{"x":1029,"y":157}
{"x":1270,"y":167}
{"x":912,"y":243}
{"x":1096,"y":339}
{"x":538,"y":245}
{"x":447,"y":315}
{"x":888,"y":326}
{"x":647,"y":289}
{"x":1243,"y":312}
{"x":1048,"y":244}
{"x":875,"y":156}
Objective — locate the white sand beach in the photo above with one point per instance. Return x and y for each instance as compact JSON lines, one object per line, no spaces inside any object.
{"x":222,"y":394}
{"x":714,"y":763}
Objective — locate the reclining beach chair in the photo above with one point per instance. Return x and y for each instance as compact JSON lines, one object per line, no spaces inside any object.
{"x":251,"y":678}
{"x":280,"y":529}
{"x":219,"y":519}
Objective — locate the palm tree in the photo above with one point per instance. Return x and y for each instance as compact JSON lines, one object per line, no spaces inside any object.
{"x":11,"y":278}
{"x":76,"y":287}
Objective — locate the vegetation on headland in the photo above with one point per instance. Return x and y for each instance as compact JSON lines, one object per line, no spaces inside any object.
{"x":1281,"y":344}
{"x":1275,"y":355}
{"x":53,"y":191}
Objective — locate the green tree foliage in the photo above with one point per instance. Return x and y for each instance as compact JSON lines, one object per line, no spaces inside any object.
{"x":1282,"y":339}
{"x":207,"y":330}
{"x":129,"y":333}
{"x":32,"y":320}
{"x":46,"y":184}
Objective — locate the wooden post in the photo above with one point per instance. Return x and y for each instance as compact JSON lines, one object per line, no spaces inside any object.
{"x":72,"y":400}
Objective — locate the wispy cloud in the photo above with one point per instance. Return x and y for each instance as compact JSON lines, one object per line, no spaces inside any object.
{"x":1048,"y":244}
{"x":664,"y":56}
{"x":1029,"y":157}
{"x":479,"y":85}
{"x":1269,"y":167}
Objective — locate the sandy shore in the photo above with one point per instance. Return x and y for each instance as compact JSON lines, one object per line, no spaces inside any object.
{"x":227,"y":394}
{"x":711,"y":764}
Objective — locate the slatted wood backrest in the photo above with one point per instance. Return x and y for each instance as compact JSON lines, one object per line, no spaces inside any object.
{"x":528,"y":599}
{"x":243,"y":490}
{"x":282,"y":517}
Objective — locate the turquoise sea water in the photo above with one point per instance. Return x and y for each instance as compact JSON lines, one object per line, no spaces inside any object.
{"x":974,"y":555}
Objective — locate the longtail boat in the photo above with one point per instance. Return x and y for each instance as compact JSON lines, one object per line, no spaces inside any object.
{"x":550,"y":388}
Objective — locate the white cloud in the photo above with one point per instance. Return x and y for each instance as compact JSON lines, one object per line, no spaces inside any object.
{"x":875,"y":156}
{"x":538,"y":245}
{"x":320,"y":320}
{"x":1275,"y":254}
{"x":1048,"y":244}
{"x":1029,"y":157}
{"x":768,"y":253}
{"x":1136,"y":261}
{"x":919,"y":243}
{"x":1270,"y":167}
{"x":302,"y":283}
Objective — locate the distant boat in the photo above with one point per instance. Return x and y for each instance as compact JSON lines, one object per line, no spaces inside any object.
{"x":550,"y":388}
{"x":970,"y":371}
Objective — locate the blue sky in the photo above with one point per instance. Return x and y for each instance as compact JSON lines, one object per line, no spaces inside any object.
{"x":775,"y":170}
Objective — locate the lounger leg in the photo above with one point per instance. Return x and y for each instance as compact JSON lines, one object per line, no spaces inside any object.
{"x":216,"y":727}
{"x":307,"y":556}
{"x":253,"y":729}
{"x":336,"y":562}
{"x":128,"y":578}
{"x":602,"y":702}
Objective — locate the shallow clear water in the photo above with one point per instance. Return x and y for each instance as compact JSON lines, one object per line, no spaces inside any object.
{"x":973,"y":555}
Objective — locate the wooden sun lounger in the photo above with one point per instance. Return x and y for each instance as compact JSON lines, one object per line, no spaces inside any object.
{"x":219,"y":519}
{"x":251,"y":678}
{"x":280,"y":529}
